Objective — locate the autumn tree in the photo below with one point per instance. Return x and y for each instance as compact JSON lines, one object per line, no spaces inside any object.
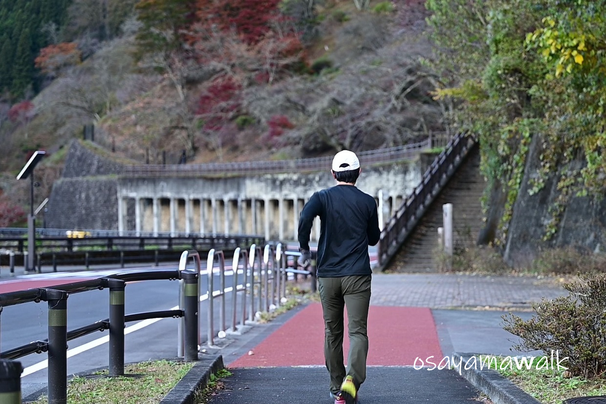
{"x":10,"y":214}
{"x":101,"y":19}
{"x":54,"y":58}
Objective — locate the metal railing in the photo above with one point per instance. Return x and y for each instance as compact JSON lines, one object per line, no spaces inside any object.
{"x":57,"y":251}
{"x":415,"y":205}
{"x":264,"y":283}
{"x":378,"y":156}
{"x":58,"y":335}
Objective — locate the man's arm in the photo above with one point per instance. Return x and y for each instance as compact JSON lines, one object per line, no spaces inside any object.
{"x":306,"y":220}
{"x":372,"y":230}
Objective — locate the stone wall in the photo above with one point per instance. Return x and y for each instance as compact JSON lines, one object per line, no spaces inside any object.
{"x":582,"y":223}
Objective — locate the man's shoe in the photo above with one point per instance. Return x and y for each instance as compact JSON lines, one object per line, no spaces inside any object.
{"x":338,"y":398}
{"x":349,"y":391}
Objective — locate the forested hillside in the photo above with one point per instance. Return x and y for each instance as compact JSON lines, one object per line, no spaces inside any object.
{"x":218,"y":80}
{"x":25,"y":28}
{"x":223,"y":80}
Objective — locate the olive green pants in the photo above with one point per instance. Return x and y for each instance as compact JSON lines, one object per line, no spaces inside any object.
{"x":352,"y":293}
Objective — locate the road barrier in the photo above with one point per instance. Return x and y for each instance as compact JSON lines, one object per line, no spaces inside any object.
{"x":264,"y":283}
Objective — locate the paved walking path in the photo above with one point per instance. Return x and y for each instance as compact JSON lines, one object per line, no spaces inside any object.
{"x":415,"y":320}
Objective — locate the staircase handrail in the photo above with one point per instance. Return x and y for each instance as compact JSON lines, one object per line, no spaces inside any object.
{"x":414,"y":205}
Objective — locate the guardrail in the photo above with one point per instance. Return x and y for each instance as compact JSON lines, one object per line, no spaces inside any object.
{"x":264,"y":280}
{"x":414,"y":206}
{"x":57,"y":251}
{"x":378,"y":156}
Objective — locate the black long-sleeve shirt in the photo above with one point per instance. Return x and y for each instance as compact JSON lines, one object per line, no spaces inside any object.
{"x":349,"y":224}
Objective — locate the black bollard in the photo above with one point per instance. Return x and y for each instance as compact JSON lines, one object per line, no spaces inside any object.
{"x":116,"y":326}
{"x":191,"y":299}
{"x":10,"y":381}
{"x":57,"y":346}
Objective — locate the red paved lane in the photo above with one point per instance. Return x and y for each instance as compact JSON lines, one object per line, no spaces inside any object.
{"x":397,"y":336}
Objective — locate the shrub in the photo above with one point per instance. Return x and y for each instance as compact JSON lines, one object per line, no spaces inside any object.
{"x":244,"y":121}
{"x":277,"y":124}
{"x":568,"y":260}
{"x":475,"y":259}
{"x":340,"y":16}
{"x":574,"y":325}
{"x":320,"y":64}
{"x":383,"y":7}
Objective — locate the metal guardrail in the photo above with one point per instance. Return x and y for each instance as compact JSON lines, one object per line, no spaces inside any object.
{"x":414,"y":206}
{"x":58,"y":335}
{"x":268,"y":276}
{"x":57,"y":251}
{"x":378,"y":156}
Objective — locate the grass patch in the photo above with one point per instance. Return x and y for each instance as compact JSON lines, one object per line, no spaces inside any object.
{"x":551,"y":386}
{"x":142,"y":383}
{"x":214,"y":385}
{"x":290,"y":304}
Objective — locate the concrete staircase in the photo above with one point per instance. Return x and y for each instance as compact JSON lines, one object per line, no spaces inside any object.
{"x":463,"y":190}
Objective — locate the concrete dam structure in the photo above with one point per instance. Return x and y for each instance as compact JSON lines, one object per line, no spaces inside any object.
{"x":97,"y":193}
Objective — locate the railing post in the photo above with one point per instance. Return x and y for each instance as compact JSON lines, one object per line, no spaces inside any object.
{"x":11,"y":259}
{"x":54,"y":262}
{"x":57,"y":346}
{"x":314,"y":272}
{"x":266,"y":277}
{"x":283,"y":265}
{"x":235,"y":264}
{"x":251,"y":263}
{"x":10,"y":381}
{"x":116,"y":326}
{"x":181,"y":331}
{"x":210,"y":275}
{"x":278,"y":273}
{"x":190,"y":308}
{"x":245,"y":284}
{"x":222,"y":279}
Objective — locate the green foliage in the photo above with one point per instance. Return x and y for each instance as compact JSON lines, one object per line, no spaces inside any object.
{"x":520,"y":70}
{"x":574,"y":325}
{"x":340,"y":16}
{"x":21,"y":38}
{"x":154,"y":379}
{"x":244,"y":121}
{"x":320,"y":64}
{"x":383,"y":7}
{"x":162,"y":22}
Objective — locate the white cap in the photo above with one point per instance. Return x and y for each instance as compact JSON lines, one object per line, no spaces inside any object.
{"x":345,"y":160}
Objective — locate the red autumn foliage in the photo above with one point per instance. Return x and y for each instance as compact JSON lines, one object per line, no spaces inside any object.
{"x":277,"y":124}
{"x":54,"y":57}
{"x":20,"y":112}
{"x":251,"y":19}
{"x":218,"y":104}
{"x":10,"y":213}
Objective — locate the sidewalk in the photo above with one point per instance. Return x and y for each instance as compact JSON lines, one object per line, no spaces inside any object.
{"x":415,"y":320}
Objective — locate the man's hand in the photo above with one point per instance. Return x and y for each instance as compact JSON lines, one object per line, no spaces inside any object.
{"x":304,"y":260}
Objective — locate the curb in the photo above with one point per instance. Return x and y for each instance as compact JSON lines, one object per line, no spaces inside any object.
{"x":197,"y":378}
{"x":499,"y":389}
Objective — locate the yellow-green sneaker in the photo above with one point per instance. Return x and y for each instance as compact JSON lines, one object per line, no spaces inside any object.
{"x":349,"y":391}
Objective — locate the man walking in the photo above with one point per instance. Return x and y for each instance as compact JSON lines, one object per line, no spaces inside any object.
{"x":349,"y":224}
